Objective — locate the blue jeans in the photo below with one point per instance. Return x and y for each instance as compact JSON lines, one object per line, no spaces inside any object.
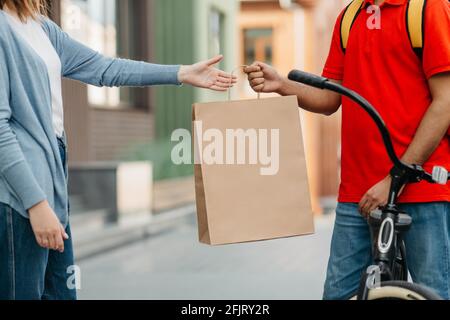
{"x":427,"y":245}
{"x":27,"y":271}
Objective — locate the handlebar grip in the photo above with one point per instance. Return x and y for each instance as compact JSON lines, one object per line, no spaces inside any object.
{"x":308,"y":79}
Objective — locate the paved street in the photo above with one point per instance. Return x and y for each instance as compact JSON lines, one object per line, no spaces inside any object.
{"x":173,"y":265}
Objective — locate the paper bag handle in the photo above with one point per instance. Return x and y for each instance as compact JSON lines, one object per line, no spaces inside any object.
{"x":231,"y":81}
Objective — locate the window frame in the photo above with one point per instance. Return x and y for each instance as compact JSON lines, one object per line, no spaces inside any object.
{"x":143,"y":96}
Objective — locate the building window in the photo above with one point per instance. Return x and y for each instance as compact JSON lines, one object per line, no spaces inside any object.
{"x":258,"y":45}
{"x":109,"y":27}
{"x":216,"y":32}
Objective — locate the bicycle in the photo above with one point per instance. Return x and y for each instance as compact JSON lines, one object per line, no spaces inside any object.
{"x":387,"y":278}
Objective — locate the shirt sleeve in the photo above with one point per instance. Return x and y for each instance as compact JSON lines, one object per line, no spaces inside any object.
{"x":436,"y":52}
{"x":334,"y":66}
{"x":86,"y":65}
{"x":14,"y":169}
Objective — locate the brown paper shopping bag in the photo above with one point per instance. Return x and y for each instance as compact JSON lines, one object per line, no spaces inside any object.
{"x":250,"y":172}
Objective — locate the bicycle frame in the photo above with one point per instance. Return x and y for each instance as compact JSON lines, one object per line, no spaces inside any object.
{"x":389,"y":225}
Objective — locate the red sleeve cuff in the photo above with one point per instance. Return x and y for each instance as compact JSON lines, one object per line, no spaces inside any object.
{"x":434,"y":71}
{"x":333,"y":74}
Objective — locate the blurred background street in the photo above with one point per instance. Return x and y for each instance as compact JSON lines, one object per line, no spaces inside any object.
{"x":173,"y":265}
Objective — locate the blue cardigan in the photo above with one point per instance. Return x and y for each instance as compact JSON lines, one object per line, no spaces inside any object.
{"x":30,"y":166}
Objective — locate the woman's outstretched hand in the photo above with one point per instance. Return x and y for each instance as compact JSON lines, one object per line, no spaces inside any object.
{"x":205,"y":75}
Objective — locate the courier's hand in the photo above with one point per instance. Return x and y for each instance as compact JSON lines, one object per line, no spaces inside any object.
{"x":376,"y":197}
{"x":263,"y":78}
{"x":205,"y":75}
{"x":47,"y":229}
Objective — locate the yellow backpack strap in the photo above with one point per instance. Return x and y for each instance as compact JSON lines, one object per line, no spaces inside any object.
{"x":348,"y":18}
{"x":415,"y":22}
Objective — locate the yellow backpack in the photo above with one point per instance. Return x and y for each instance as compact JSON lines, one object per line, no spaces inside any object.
{"x":415,"y":16}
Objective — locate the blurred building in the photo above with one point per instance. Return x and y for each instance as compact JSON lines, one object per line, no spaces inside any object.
{"x":103,"y":123}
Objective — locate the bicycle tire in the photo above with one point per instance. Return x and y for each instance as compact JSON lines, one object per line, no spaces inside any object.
{"x":400,"y":290}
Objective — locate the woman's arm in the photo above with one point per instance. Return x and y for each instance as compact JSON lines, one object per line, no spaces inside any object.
{"x":13,"y":167}
{"x":17,"y":174}
{"x":86,"y":65}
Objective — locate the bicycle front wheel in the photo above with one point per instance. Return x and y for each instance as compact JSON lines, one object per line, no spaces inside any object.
{"x":400,"y":290}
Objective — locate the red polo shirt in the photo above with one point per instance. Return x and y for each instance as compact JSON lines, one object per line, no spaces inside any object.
{"x":381,"y":65}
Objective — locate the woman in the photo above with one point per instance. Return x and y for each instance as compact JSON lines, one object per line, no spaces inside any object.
{"x":36,"y":248}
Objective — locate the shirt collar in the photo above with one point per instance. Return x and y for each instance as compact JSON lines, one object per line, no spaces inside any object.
{"x":392,"y":2}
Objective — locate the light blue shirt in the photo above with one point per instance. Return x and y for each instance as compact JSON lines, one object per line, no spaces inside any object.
{"x":31,"y":170}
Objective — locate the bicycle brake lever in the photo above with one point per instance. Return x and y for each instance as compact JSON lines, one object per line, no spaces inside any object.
{"x":440,"y":175}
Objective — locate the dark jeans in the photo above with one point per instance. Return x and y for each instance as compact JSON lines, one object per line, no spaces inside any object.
{"x":427,"y":249}
{"x":27,"y":271}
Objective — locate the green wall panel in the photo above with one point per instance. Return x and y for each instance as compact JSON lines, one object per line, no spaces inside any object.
{"x":173,"y":45}
{"x":181,"y":37}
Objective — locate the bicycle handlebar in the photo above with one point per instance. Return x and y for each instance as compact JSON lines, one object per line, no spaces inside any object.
{"x":308,"y":79}
{"x":325,"y":84}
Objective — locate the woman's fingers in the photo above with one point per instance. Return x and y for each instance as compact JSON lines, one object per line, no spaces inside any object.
{"x":45,"y":243}
{"x":59,"y":243}
{"x":226,"y":80}
{"x":223,"y":84}
{"x":214,"y":60}
{"x":217,"y":88}
{"x":64,"y":233}
{"x":51,"y":241}
{"x":226,"y":75}
{"x":40,"y":241}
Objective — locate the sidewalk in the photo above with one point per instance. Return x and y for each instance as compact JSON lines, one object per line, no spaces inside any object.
{"x":171,"y":264}
{"x":92,"y":237}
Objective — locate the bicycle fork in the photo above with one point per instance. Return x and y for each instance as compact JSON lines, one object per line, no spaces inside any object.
{"x":387,"y":227}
